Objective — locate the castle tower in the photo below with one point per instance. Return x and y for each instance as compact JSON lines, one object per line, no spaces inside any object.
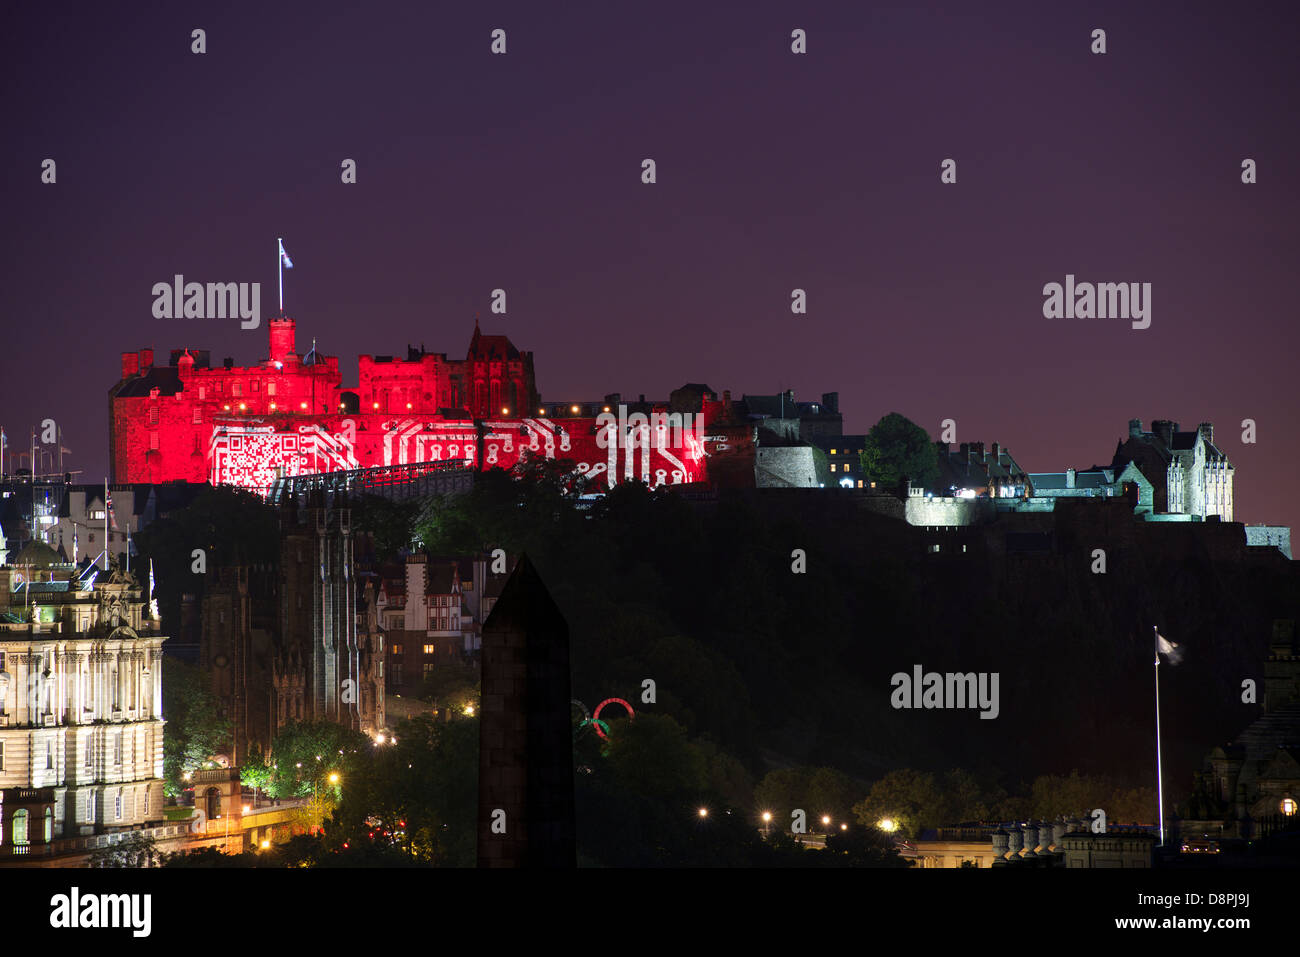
{"x":281,"y":332}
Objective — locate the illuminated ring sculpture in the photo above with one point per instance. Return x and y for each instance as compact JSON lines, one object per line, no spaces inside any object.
{"x":601,"y":727}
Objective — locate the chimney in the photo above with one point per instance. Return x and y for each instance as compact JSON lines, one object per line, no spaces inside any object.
{"x":130,"y":364}
{"x":146,"y":360}
{"x":1207,"y":431}
{"x":997,"y":452}
{"x":1069,"y":478}
{"x":1165,"y":429}
{"x":1134,"y":428}
{"x":831,"y":400}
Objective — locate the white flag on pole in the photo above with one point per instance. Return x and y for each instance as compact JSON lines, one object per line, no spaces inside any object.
{"x":1167,"y":648}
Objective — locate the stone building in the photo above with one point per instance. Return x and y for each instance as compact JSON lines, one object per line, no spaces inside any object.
{"x":1189,"y":474}
{"x":1252,"y":785}
{"x":321,"y":669}
{"x":81,"y":726}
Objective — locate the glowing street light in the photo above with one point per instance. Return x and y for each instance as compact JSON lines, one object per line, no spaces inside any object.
{"x":469,"y":710}
{"x":826,"y":820}
{"x":704,"y":812}
{"x":334,"y":779}
{"x":887,"y":824}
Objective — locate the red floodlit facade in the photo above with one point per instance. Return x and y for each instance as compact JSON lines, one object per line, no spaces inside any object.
{"x":291,"y":415}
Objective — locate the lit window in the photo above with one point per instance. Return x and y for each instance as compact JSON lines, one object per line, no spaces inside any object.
{"x":49,"y":825}
{"x":203,"y":393}
{"x":198,"y":414}
{"x":20,"y":827}
{"x":270,"y":388}
{"x":98,"y":515}
{"x":1288,"y":806}
{"x":236,"y":388}
{"x":859,"y":483}
{"x":833,"y":466}
{"x":397,"y":649}
{"x":430,"y":649}
{"x":832,"y":451}
{"x":153,"y":415}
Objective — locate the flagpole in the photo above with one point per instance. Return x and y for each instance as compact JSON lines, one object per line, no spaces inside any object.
{"x":106,"y":538}
{"x":279,"y":258}
{"x":1160,"y":787}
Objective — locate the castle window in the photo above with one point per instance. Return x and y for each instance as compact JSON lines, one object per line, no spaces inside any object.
{"x":117,"y":748}
{"x":833,"y":466}
{"x":49,"y":755}
{"x":49,"y":825}
{"x":218,"y":387}
{"x":20,"y":827}
{"x":153,"y":415}
{"x":2,"y":755}
{"x":397,"y":672}
{"x":198,"y":414}
{"x":117,"y":806}
{"x":270,"y":388}
{"x":1288,"y":807}
{"x":257,"y":385}
{"x":236,"y":388}
{"x":90,"y":753}
{"x":428,"y":668}
{"x":153,"y":441}
{"x":203,"y":392}
{"x":430,"y":649}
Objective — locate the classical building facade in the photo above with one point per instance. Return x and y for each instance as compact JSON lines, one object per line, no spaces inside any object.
{"x":81,"y":725}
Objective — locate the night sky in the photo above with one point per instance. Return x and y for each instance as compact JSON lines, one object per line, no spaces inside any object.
{"x":775,"y":171}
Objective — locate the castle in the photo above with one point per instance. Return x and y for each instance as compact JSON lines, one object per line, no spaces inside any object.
{"x":291,"y":415}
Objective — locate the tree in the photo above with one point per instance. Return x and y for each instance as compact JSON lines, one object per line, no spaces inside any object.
{"x":452,"y":685}
{"x":135,"y":851}
{"x":256,"y":771}
{"x":305,"y":754}
{"x":910,"y":799}
{"x":194,"y":732}
{"x":897,"y":448}
{"x":862,"y":846}
{"x":390,"y":524}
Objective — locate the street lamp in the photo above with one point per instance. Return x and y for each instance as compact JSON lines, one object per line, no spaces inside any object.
{"x":704,"y":812}
{"x":767,"y":823}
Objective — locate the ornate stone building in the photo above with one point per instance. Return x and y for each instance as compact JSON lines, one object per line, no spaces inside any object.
{"x":81,"y":726}
{"x":324,"y":668}
{"x":1188,"y":473}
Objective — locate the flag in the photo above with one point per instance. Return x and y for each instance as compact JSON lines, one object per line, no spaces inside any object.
{"x":284,"y":256}
{"x":108,"y":503}
{"x":1168,"y":649}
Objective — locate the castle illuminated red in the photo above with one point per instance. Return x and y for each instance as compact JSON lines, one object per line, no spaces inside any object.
{"x":291,"y":414}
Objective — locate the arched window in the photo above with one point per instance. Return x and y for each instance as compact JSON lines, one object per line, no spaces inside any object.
{"x":20,"y":827}
{"x":49,"y":825}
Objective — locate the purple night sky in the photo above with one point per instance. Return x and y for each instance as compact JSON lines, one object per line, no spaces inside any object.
{"x":775,"y":171}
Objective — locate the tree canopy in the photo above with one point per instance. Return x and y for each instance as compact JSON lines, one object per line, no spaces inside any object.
{"x":897,"y":448}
